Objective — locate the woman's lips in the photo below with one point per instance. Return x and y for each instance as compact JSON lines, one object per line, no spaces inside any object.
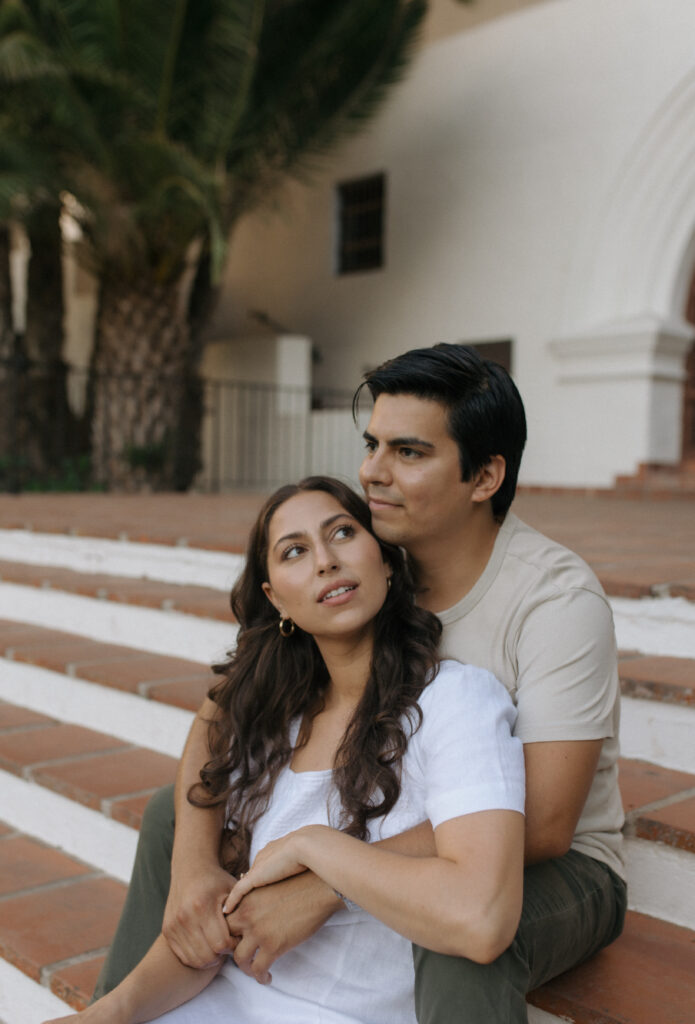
{"x":338,"y":592}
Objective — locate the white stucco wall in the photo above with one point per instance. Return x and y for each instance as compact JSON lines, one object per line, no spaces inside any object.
{"x":541,"y":187}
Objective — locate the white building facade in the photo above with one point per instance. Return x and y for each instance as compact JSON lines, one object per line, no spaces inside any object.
{"x":539,"y":188}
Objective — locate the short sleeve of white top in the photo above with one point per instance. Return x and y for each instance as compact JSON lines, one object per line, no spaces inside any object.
{"x":464,"y":757}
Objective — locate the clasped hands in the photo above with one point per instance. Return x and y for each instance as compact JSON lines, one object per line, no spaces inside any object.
{"x":275,"y":906}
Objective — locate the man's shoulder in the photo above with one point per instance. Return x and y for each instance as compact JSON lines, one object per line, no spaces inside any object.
{"x":540,"y":561}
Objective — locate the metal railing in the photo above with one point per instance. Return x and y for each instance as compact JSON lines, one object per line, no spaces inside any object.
{"x":67,"y":428}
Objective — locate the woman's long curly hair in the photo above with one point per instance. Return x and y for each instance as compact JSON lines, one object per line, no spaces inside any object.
{"x":271,"y":680}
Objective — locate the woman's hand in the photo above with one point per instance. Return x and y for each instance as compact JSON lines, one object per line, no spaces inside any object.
{"x":280,"y":859}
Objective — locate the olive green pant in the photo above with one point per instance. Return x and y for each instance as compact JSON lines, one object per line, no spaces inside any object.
{"x":573,"y":906}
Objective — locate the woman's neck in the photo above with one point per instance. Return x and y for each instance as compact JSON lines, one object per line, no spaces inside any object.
{"x":348,"y":667}
{"x":348,"y":662}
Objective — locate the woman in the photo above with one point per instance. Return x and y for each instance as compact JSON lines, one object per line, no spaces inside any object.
{"x":336,"y":727}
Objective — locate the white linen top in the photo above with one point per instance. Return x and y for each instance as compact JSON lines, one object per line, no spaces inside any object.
{"x":355,"y":970}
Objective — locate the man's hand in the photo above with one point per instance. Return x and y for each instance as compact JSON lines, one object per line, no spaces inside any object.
{"x":276,"y":918}
{"x":194,"y":925}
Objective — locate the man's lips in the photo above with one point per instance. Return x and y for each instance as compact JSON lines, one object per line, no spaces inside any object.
{"x":375,"y":501}
{"x":340,"y":590}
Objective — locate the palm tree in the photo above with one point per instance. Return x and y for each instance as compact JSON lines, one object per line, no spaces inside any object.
{"x":167,"y":120}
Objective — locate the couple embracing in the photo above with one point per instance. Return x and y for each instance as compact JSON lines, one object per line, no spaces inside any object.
{"x":400,"y":801}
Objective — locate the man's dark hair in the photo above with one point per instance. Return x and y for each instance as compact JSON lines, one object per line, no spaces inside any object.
{"x":484,"y":409}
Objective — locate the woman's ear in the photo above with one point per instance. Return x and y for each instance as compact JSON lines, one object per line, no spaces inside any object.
{"x":268,"y":591}
{"x":489,"y":478}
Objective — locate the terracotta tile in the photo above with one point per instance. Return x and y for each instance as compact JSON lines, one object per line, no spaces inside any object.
{"x":647,"y":976}
{"x":642,"y":783}
{"x":75,"y":984}
{"x":82,"y":915}
{"x":13,"y":633}
{"x":24,"y":863}
{"x":22,"y":748}
{"x":130,"y":811}
{"x":183,"y":693}
{"x":59,"y":650}
{"x":659,"y":678}
{"x":674,"y":825}
{"x":91,"y":780}
{"x":135,"y":669}
{"x":12,"y":717}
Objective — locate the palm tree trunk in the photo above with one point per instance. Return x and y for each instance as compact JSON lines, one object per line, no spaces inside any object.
{"x":6,"y":331}
{"x":140,"y":383}
{"x":51,"y":426}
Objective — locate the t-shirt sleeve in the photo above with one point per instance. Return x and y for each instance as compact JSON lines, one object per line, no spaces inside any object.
{"x":469,"y":759}
{"x":567,"y":680}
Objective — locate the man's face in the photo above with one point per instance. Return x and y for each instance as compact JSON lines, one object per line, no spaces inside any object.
{"x":411,"y":473}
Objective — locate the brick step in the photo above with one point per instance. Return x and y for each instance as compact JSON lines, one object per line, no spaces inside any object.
{"x":658,"y":691}
{"x":644,"y":977}
{"x":43,"y":757}
{"x":180,"y":682}
{"x":205,"y":602}
{"x":40,"y":884}
{"x":213,"y":522}
{"x":647,"y":976}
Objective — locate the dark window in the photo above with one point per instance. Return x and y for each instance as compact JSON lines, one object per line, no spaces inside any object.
{"x":361,"y":224}
{"x":496,"y":351}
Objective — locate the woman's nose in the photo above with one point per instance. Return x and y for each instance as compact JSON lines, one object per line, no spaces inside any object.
{"x":326,"y":560}
{"x":327,"y":568}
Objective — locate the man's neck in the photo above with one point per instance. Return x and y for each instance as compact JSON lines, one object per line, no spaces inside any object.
{"x":447,"y":568}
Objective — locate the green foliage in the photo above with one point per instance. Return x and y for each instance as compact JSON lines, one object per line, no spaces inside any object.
{"x":167,"y":118}
{"x":73,"y":473}
{"x":149,"y":457}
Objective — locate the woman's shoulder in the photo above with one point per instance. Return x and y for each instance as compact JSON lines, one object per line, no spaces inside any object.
{"x":465,"y":691}
{"x":469,"y":680}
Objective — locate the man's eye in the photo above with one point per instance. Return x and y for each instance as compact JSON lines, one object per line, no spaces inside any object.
{"x":409,"y":453}
{"x":370,"y":446}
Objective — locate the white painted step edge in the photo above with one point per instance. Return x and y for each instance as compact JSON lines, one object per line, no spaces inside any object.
{"x":651,"y":730}
{"x":168,"y":564}
{"x":655,"y":625}
{"x":78,"y":830}
{"x":127,"y":716}
{"x":147,"y":629}
{"x":661,"y":881}
{"x":23,"y":1001}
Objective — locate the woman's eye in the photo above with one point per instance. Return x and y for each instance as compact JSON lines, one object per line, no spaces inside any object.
{"x":344,"y":531}
{"x":292,"y":551}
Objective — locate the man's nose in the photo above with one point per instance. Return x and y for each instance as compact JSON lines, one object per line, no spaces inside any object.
{"x":373,"y":469}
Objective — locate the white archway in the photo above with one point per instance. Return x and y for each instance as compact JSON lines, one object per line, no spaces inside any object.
{"x":625,"y":357}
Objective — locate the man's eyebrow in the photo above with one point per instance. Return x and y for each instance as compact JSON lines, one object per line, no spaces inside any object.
{"x":401,"y":442}
{"x":296,"y":534}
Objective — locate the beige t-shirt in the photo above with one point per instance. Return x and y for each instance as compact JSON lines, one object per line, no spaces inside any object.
{"x":538,"y":619}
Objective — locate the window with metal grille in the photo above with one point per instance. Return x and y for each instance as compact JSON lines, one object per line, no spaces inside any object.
{"x":361,"y":224}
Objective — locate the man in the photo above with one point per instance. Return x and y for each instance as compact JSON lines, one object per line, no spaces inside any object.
{"x":444,"y":444}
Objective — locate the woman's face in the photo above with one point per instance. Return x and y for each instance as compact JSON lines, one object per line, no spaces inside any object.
{"x":325,"y":571}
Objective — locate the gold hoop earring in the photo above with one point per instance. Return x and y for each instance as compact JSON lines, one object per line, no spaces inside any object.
{"x":286,"y":627}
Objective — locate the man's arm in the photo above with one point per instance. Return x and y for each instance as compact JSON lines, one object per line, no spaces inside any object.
{"x":276,"y":918}
{"x":194,"y":925}
{"x":558,"y":780}
{"x":567,"y":693}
